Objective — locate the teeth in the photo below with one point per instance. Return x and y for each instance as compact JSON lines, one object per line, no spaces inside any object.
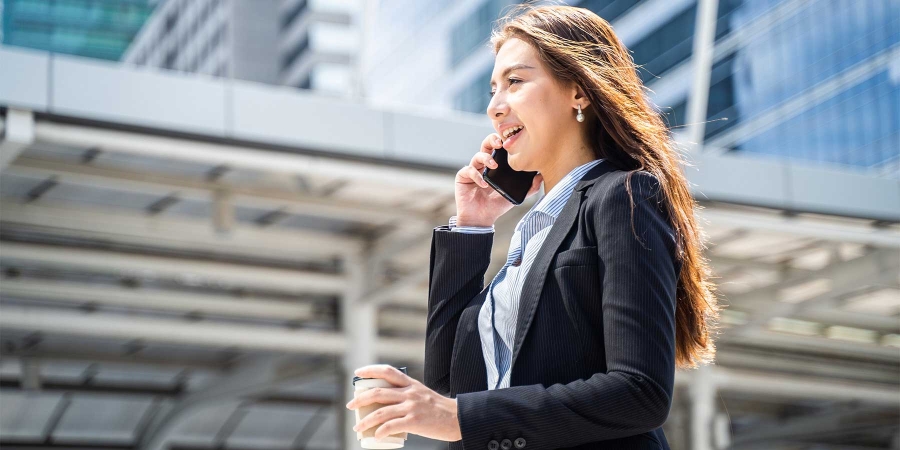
{"x":510,"y":131}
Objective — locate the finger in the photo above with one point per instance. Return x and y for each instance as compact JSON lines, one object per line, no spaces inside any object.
{"x":379,"y":416}
{"x":475,"y":175}
{"x":491,"y":142}
{"x":393,"y":426}
{"x":381,"y":395}
{"x":485,"y":160}
{"x":385,"y":371}
{"x":480,"y":160}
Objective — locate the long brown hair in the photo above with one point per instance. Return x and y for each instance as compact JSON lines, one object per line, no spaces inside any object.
{"x":580,"y":47}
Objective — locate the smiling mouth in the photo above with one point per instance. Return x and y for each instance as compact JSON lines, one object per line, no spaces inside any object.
{"x":514,"y":133}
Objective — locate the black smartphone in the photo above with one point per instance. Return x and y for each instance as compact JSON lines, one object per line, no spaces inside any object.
{"x":511,"y":184}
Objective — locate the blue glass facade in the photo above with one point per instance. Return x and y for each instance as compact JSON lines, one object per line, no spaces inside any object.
{"x":476,"y":96}
{"x":665,"y":48}
{"x":815,"y":81}
{"x":475,"y":30}
{"x":94,"y":28}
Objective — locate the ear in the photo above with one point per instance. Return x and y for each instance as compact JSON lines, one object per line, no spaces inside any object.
{"x":578,"y":97}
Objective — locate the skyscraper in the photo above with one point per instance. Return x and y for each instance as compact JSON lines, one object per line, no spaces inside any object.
{"x":813,"y":80}
{"x":307,"y":44}
{"x":93,"y":28}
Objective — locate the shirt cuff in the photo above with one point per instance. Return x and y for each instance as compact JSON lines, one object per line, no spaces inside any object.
{"x":466,"y":229}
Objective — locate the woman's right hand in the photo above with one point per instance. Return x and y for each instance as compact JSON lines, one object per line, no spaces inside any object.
{"x":477,"y":203}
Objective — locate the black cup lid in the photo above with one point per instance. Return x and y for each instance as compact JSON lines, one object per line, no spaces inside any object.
{"x":355,"y":379}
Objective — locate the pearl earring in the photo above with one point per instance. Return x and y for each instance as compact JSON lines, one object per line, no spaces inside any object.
{"x":580,"y":116}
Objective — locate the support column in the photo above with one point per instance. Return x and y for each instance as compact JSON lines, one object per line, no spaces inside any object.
{"x":17,"y":135}
{"x":359,"y":324}
{"x":704,"y":40}
{"x":703,"y":408}
{"x":223,"y":211}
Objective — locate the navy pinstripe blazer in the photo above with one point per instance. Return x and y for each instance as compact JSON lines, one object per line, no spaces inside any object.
{"x":593,"y":362}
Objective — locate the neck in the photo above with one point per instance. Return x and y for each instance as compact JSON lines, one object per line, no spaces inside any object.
{"x":559,"y":167}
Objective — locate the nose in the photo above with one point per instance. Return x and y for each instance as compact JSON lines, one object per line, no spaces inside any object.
{"x":497,"y":107}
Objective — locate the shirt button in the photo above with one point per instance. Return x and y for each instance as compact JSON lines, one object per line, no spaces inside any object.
{"x":493,"y":445}
{"x":520,"y":442}
{"x":506,"y":444}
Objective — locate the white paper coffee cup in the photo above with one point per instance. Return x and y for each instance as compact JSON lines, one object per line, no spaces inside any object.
{"x":367,"y":438}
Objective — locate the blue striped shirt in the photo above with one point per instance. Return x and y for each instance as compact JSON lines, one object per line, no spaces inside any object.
{"x":498,"y":315}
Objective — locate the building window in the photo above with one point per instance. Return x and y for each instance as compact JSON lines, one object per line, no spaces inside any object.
{"x":288,"y":59}
{"x":291,"y":16}
{"x":475,"y":97}
{"x":723,"y":19}
{"x":171,"y":22}
{"x":170,"y":59}
{"x":474,"y":30}
{"x":721,"y":104}
{"x":675,"y":116}
{"x":667,"y":46}
{"x":609,"y":9}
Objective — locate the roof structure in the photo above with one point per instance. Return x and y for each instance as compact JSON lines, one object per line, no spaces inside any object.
{"x":195,"y":264}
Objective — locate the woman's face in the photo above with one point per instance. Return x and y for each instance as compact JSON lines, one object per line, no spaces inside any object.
{"x":528,"y":96}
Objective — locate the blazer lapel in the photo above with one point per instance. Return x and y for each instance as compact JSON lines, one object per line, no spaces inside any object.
{"x":537,"y":274}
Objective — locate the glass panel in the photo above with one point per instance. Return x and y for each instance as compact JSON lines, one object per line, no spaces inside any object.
{"x":664,"y":48}
{"x":93,"y":28}
{"x":815,"y":82}
{"x":609,"y":9}
{"x":475,"y":98}
{"x":475,"y":29}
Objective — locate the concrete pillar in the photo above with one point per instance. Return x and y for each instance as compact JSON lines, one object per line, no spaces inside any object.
{"x":359,"y":324}
{"x":223,"y":211}
{"x":702,"y":60}
{"x":16,"y":134}
{"x":703,"y":408}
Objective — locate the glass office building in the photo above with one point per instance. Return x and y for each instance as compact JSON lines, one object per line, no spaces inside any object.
{"x":94,"y":28}
{"x":813,"y":80}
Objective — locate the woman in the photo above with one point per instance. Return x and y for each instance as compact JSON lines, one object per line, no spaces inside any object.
{"x":605,"y":291}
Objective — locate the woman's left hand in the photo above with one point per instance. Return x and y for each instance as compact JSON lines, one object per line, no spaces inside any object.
{"x":411,"y":407}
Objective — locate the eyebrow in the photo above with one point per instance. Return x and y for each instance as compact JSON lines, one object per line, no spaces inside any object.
{"x":510,"y":69}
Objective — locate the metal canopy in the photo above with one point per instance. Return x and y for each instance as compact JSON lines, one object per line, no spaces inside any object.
{"x":169,"y":290}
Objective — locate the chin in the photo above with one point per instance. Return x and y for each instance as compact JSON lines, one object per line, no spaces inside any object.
{"x":513,"y":161}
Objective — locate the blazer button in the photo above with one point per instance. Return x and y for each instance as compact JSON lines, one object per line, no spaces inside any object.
{"x":506,"y":444}
{"x":493,"y":445}
{"x":520,"y":442}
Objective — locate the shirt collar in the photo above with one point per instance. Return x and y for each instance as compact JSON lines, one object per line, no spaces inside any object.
{"x":552,"y":203}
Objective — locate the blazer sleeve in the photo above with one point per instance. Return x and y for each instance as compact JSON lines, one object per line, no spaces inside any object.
{"x":634,"y":395}
{"x":458,"y":263}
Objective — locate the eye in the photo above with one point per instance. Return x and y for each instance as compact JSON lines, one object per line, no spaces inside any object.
{"x":511,"y":81}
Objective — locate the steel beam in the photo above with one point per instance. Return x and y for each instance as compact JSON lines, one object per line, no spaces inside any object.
{"x":205,"y":191}
{"x":864,"y":233}
{"x":154,"y":299}
{"x":225,"y":274}
{"x":174,"y":233}
{"x":205,"y":334}
{"x":237,"y":156}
